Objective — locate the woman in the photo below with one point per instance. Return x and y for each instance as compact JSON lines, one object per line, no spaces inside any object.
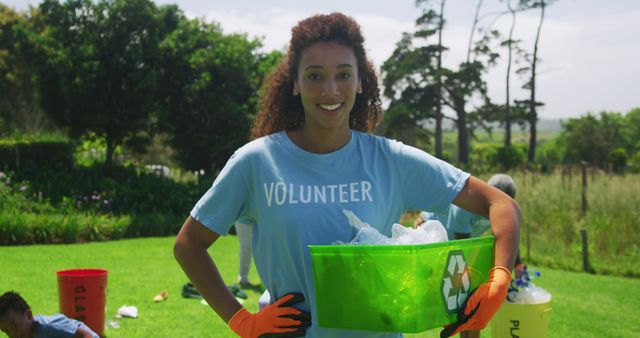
{"x":313,"y":156}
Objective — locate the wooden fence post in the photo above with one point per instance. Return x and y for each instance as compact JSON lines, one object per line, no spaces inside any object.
{"x":528,"y":241}
{"x":585,"y":251}
{"x":584,"y":188}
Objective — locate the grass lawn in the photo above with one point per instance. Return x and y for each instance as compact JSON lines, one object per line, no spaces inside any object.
{"x":583,"y":305}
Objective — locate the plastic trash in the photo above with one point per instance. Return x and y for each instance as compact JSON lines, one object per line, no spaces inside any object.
{"x":265,"y":299}
{"x":532,"y":294}
{"x":429,"y":232}
{"x":435,"y":231}
{"x":369,"y":235}
{"x":128,"y":311}
{"x":114,"y":324}
{"x":161,"y":296}
{"x":524,"y":291}
{"x":354,"y":220}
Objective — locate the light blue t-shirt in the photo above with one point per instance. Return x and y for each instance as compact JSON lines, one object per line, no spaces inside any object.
{"x":295,"y":198}
{"x":456,"y":219}
{"x":58,"y":326}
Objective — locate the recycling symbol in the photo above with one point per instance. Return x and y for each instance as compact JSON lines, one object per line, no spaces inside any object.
{"x":455,"y":282}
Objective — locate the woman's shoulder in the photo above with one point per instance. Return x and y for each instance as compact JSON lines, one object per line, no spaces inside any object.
{"x":258,"y":146}
{"x":381,"y":142}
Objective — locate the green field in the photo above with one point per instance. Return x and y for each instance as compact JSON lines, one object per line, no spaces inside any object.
{"x":584,"y":305}
{"x":551,"y":214}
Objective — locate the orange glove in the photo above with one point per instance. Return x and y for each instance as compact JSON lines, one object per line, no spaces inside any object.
{"x":278,"y":317}
{"x":483,"y":302}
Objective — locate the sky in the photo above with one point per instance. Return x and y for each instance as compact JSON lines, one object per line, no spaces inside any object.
{"x":589,"y":49}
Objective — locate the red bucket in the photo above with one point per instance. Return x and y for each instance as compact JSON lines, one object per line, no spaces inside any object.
{"x":83,"y":296}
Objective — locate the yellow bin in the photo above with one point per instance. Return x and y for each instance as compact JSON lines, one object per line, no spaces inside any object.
{"x":521,"y":320}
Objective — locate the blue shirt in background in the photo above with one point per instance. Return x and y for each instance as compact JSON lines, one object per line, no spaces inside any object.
{"x":58,"y":326}
{"x":456,"y":219}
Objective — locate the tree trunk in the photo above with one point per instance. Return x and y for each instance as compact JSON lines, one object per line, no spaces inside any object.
{"x":463,"y":137}
{"x":438,"y":132}
{"x":111,"y":147}
{"x":507,"y":112}
{"x":473,"y":30}
{"x":533,"y":114}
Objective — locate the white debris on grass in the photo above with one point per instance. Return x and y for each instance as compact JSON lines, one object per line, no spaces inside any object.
{"x":128,"y":311}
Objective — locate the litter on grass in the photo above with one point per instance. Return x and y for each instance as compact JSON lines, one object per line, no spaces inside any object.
{"x":161,"y":296}
{"x":127,"y":311}
{"x":114,"y":324}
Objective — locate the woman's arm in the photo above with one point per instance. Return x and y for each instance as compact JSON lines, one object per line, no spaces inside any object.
{"x":503,"y":213}
{"x":190,"y":250}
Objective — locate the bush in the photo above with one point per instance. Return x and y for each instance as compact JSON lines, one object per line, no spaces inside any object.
{"x":91,"y":204}
{"x":550,"y":154}
{"x":635,"y":161}
{"x":32,"y":156}
{"x":31,"y":228}
{"x":481,"y":156}
{"x":488,"y":157}
{"x":510,"y":157}
{"x":116,"y":190}
{"x":618,"y":159}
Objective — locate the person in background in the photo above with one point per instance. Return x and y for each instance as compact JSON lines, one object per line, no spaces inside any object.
{"x":314,"y":155}
{"x":17,"y":321}
{"x":461,"y":224}
{"x":244,"y":229}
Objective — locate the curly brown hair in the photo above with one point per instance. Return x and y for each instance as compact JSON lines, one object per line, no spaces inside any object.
{"x":281,"y":110}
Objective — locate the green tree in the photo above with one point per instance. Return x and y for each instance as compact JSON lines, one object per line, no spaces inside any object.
{"x":509,"y":43}
{"x":592,"y":139}
{"x":618,"y":158}
{"x":583,"y":140}
{"x":412,"y":78}
{"x":632,"y":126}
{"x":18,"y":109}
{"x":461,"y":86}
{"x":551,"y":153}
{"x":533,"y":114}
{"x":615,"y":131}
{"x":211,"y":86}
{"x":97,"y":66}
{"x":418,"y":85}
{"x":8,"y":18}
{"x":532,"y":59}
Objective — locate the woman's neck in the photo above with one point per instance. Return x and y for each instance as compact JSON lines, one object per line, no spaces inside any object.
{"x":320,"y":141}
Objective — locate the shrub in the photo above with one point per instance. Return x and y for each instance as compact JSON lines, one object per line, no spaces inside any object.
{"x":635,"y":161}
{"x":83,"y":204}
{"x":117,"y":190}
{"x":618,"y":159}
{"x":35,"y":228}
{"x":495,"y":157}
{"x":31,"y":156}
{"x":551,"y":154}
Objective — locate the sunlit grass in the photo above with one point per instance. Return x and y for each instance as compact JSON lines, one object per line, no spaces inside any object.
{"x":552,"y":210}
{"x":584,"y":305}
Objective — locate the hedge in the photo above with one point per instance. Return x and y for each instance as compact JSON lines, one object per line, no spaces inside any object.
{"x":21,"y":155}
{"x":18,"y":228}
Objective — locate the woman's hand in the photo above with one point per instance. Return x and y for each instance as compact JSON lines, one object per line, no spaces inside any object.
{"x":278,"y":318}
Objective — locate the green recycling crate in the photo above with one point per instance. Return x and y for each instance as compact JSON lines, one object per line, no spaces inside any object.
{"x":397,"y":288}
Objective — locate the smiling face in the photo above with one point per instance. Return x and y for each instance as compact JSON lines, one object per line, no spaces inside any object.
{"x":328,"y":84}
{"x":17,"y":325}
